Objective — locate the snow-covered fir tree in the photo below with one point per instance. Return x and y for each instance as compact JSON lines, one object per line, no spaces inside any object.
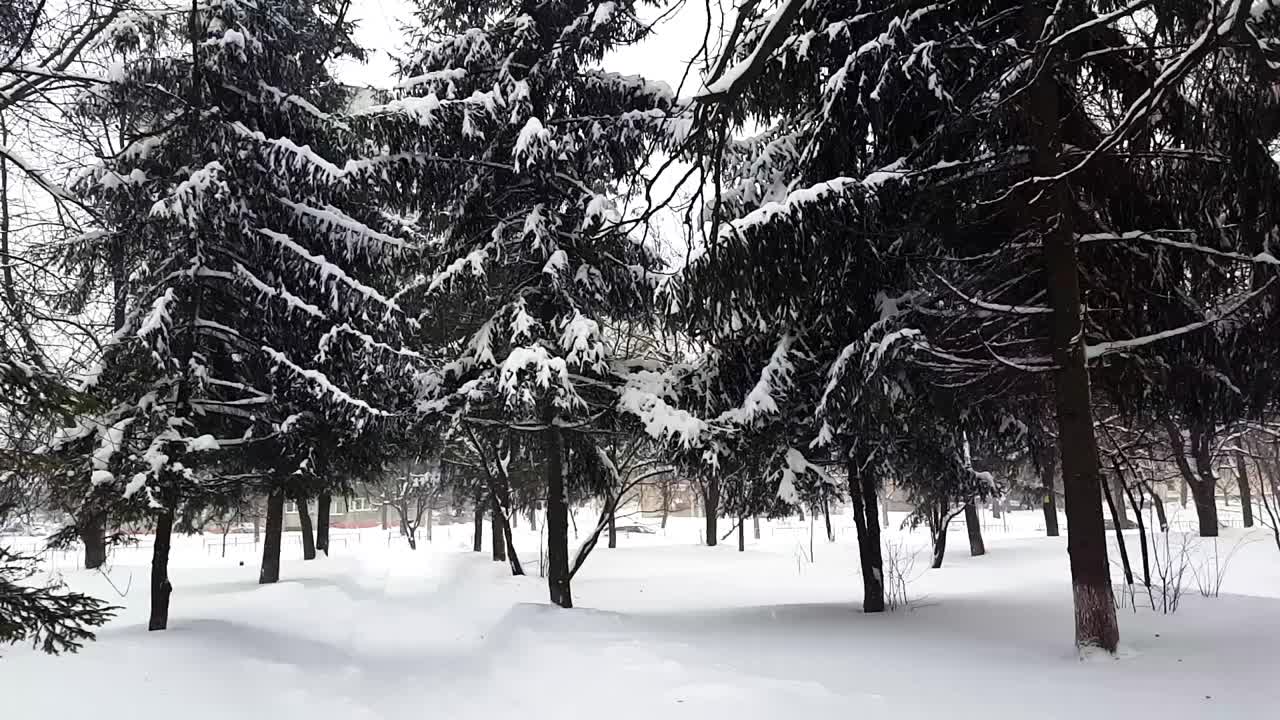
{"x":518,"y":151}
{"x":262,"y":312}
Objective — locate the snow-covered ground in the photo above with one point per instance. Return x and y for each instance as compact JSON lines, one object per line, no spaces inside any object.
{"x":664,"y":628}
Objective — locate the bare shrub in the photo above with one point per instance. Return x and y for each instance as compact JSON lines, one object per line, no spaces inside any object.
{"x":899,"y":571}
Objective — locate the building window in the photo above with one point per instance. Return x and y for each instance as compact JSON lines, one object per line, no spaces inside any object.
{"x":359,"y":504}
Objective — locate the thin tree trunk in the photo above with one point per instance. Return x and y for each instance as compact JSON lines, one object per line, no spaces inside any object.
{"x":1142,"y":536}
{"x":974,"y":525}
{"x":742,"y":535}
{"x":271,"y":542}
{"x":512,"y":558}
{"x":939,"y":544}
{"x":322,"y":522}
{"x":666,"y":502}
{"x":826,"y":515}
{"x":385,"y":525}
{"x":713,"y":510}
{"x":1053,"y":206}
{"x":557,"y":518}
{"x":1117,"y":523}
{"x":613,"y":527}
{"x":1117,"y":495}
{"x":430,"y":512}
{"x":995,"y":509}
{"x":499,"y":542}
{"x":755,"y":525}
{"x":304,"y":526}
{"x":1246,"y":494}
{"x":862,"y":498}
{"x":882,"y":499}
{"x":93,"y":535}
{"x":1048,"y":468}
{"x":477,"y":532}
{"x":257,"y":524}
{"x":1204,"y":492}
{"x":161,"y":588}
{"x":1182,"y":492}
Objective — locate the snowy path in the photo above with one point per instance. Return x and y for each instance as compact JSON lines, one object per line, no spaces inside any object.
{"x":670,"y":630}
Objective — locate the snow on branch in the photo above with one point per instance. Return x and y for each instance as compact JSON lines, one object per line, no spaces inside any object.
{"x":330,"y":217}
{"x":328,"y":269}
{"x":774,"y":378}
{"x":1101,"y":349}
{"x":1262,"y":258}
{"x":322,"y":382}
{"x":732,"y":82}
{"x":644,"y":396}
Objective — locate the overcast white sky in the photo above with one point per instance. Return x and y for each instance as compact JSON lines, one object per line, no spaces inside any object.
{"x":662,"y":57}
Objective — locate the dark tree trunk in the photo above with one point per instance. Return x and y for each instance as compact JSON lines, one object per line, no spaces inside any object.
{"x":1117,"y":497}
{"x":512,"y":558}
{"x":304,"y":527}
{"x":1158,"y":502}
{"x":883,"y":499}
{"x":93,"y":535}
{"x":477,"y":530}
{"x":862,"y":497}
{"x":385,"y":525}
{"x":939,"y":545}
{"x":257,"y":524}
{"x":613,"y":527}
{"x":161,"y":588}
{"x":1048,"y":468}
{"x":666,"y":502}
{"x":742,"y":534}
{"x":322,"y":522}
{"x":995,"y":510}
{"x":430,"y":520}
{"x":498,"y":539}
{"x":557,"y":518}
{"x":755,"y":525}
{"x":270,"y":571}
{"x":1246,"y":494}
{"x":973,"y":524}
{"x":1116,"y":524}
{"x":826,"y":516}
{"x":1204,"y":492}
{"x":712,"y":506}
{"x":1182,"y":492}
{"x":1053,"y":208}
{"x":1142,"y":536}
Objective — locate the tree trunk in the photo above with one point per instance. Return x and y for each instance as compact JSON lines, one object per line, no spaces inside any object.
{"x":862,"y":498}
{"x":257,"y":524}
{"x":939,"y":545}
{"x":882,"y":498}
{"x":161,"y":588}
{"x":826,"y":516}
{"x":557,"y":518}
{"x":1053,"y":206}
{"x":995,"y":511}
{"x":1246,"y":494}
{"x":666,"y":502}
{"x":498,"y":539}
{"x":270,"y":571}
{"x":430,"y":520}
{"x":93,"y":535}
{"x":974,"y":525}
{"x":322,"y":522}
{"x":613,"y":527}
{"x":477,"y":528}
{"x":742,"y":534}
{"x":304,"y":527}
{"x":713,"y":510}
{"x":1182,"y":492}
{"x":1116,"y":524}
{"x":385,"y":525}
{"x":1117,"y":495}
{"x":1142,"y":536}
{"x":1204,"y":492}
{"x":1048,"y":468}
{"x":755,"y":525}
{"x":512,"y":558}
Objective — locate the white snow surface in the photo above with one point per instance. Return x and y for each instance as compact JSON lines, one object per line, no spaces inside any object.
{"x":664,"y":628}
